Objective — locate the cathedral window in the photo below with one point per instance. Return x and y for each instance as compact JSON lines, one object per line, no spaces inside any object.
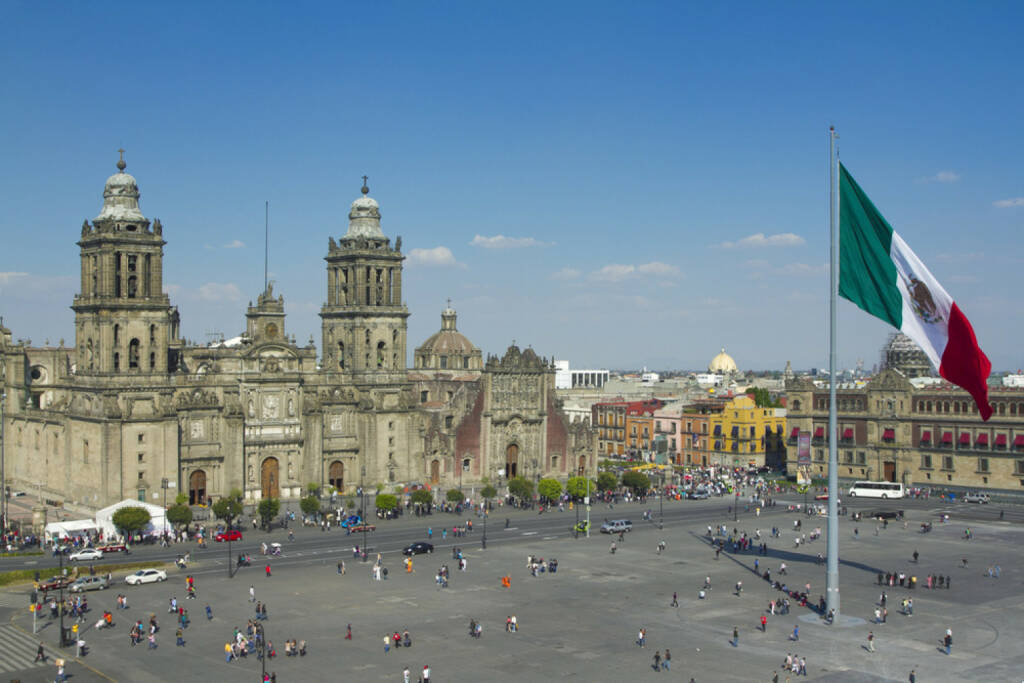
{"x":152,"y":360}
{"x":147,"y":274}
{"x":133,"y":286}
{"x":380,"y":355}
{"x":117,"y":361}
{"x":424,"y":397}
{"x":152,"y":334}
{"x":117,"y":273}
{"x":341,"y":355}
{"x":391,"y":286}
{"x":133,"y":354}
{"x":465,"y":362}
{"x":444,"y":362}
{"x":85,"y":451}
{"x":117,"y":334}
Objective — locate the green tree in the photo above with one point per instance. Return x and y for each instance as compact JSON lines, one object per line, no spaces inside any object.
{"x":268,"y":509}
{"x":181,"y":499}
{"x":454,"y":496}
{"x":313,"y":488}
{"x":422,"y":497}
{"x":606,"y":481}
{"x":131,"y":519}
{"x":577,"y":487}
{"x":521,"y":488}
{"x":638,"y":481}
{"x":488,"y":492}
{"x":179,"y":515}
{"x":229,"y":508}
{"x":549,"y":489}
{"x":310,"y":505}
{"x":762,"y":398}
{"x":387,"y":501}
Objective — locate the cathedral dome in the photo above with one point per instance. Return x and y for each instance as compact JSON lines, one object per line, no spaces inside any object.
{"x":722,"y":364}
{"x":121,"y":197}
{"x":364,"y":216}
{"x":449,"y":340}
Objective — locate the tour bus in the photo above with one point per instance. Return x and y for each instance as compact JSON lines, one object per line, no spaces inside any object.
{"x":876,"y":489}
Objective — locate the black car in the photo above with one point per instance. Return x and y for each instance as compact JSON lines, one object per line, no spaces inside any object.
{"x":887,"y":514}
{"x":418,"y":548}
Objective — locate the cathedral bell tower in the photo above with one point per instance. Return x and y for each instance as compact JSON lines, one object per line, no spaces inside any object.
{"x":123,"y":319}
{"x":364,"y":319}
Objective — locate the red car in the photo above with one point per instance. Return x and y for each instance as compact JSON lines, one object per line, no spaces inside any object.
{"x":358,"y":528}
{"x":112,"y":548}
{"x":54,"y":583}
{"x":229,"y":535}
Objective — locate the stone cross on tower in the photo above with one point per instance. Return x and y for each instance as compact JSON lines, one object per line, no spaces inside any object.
{"x":120,"y":163}
{"x":365,"y":190}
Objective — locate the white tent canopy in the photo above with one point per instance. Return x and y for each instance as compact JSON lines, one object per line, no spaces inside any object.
{"x":157,"y":523}
{"x":55,"y":530}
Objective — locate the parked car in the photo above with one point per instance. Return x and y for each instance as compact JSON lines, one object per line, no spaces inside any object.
{"x":886,"y":514}
{"x":358,"y":528}
{"x":229,"y":535}
{"x":616,"y":526}
{"x":85,"y":555}
{"x":580,"y":527}
{"x":418,"y":548}
{"x":145,"y":576}
{"x":89,"y":583}
{"x":698,"y":495}
{"x":975,"y":497}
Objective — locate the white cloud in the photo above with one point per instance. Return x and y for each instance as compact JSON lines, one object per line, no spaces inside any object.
{"x":219,"y":291}
{"x":960,"y":258}
{"x":616,"y":272}
{"x":943,"y":177}
{"x":234,"y":244}
{"x":172,"y":290}
{"x":1009,"y":203}
{"x":759,"y":239}
{"x":802,"y":269}
{"x":613,"y":272}
{"x":438,"y":256}
{"x":503,"y":242}
{"x":657,"y":268}
{"x":566,"y":274}
{"x":9,"y":277}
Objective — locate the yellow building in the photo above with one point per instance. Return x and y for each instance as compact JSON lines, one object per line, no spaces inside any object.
{"x":743,"y":434}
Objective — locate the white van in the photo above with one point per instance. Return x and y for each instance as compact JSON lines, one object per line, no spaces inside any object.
{"x":616,"y":526}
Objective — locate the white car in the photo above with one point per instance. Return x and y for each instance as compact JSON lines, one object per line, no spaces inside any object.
{"x":145,"y":576}
{"x":86,"y":555}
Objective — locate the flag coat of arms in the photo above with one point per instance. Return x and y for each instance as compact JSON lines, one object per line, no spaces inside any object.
{"x":880,"y":273}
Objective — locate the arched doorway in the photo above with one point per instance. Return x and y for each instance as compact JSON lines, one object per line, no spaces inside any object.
{"x":197,"y":488}
{"x":582,"y":465}
{"x":269,"y":478}
{"x":512,"y":461}
{"x":336,"y":475}
{"x":435,"y":471}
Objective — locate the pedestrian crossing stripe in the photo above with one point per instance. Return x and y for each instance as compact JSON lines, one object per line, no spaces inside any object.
{"x":18,"y":650}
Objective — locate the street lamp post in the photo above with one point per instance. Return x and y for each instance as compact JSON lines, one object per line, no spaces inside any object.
{"x":3,"y":465}
{"x":262,"y":636}
{"x":60,"y":607}
{"x":362,"y":497}
{"x":483,"y":541}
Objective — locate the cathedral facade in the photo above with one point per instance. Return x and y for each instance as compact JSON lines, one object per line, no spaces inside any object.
{"x":131,"y":410}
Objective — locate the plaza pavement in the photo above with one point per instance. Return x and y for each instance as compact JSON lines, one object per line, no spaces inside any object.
{"x":582,"y":621}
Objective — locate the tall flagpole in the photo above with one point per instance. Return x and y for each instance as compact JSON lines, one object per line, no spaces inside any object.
{"x":832,"y":575}
{"x":266,"y":242}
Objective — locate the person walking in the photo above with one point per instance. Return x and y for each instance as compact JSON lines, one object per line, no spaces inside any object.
{"x":675,"y":599}
{"x":405,"y":675}
{"x":268,"y":569}
{"x":40,"y":654}
{"x":735,"y":636}
{"x":426,"y":673}
{"x":387,"y":643}
{"x":764,"y":624}
{"x":348,"y":632}
{"x":947,"y":640}
{"x":252,"y":593}
{"x":666,"y":662}
{"x":641,"y":638}
{"x":180,"y":638}
{"x":796,"y":632}
{"x":657,"y":661}
{"x":871,"y":641}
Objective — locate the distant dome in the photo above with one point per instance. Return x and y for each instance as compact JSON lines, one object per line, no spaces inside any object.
{"x":447,"y":342}
{"x":903,"y":354}
{"x":722,"y":364}
{"x":121,"y":197}
{"x":450,"y":345}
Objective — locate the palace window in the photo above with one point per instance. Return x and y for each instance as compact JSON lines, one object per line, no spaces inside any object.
{"x":947,"y":462}
{"x":926,"y":462}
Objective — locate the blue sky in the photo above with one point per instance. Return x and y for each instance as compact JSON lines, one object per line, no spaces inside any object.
{"x":616,"y":184}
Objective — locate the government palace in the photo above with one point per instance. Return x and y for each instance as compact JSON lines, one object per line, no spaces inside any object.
{"x":131,"y":409}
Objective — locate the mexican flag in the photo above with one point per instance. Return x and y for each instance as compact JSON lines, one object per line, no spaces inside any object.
{"x":881,"y":274}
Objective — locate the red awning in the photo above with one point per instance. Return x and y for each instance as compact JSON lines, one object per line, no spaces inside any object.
{"x":982,"y":440}
{"x":1018,"y":441}
{"x":965,"y":438}
{"x":926,"y":437}
{"x":947,"y":437}
{"x":793,"y":434}
{"x":889,"y":434}
{"x":1001,"y":440}
{"x":819,"y":432}
{"x":848,"y":433}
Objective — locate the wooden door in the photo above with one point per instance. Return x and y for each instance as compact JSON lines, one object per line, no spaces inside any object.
{"x":197,"y":488}
{"x":269,"y":478}
{"x":512,"y":461}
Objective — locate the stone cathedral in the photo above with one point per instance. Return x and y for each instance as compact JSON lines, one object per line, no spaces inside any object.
{"x":131,"y":408}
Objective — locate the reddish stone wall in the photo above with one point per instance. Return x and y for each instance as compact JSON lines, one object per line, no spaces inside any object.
{"x":467,"y":435}
{"x":558,"y":435}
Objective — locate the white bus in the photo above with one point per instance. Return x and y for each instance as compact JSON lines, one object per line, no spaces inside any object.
{"x":876,"y":489}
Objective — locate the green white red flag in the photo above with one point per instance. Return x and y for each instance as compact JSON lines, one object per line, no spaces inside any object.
{"x":880,"y":273}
